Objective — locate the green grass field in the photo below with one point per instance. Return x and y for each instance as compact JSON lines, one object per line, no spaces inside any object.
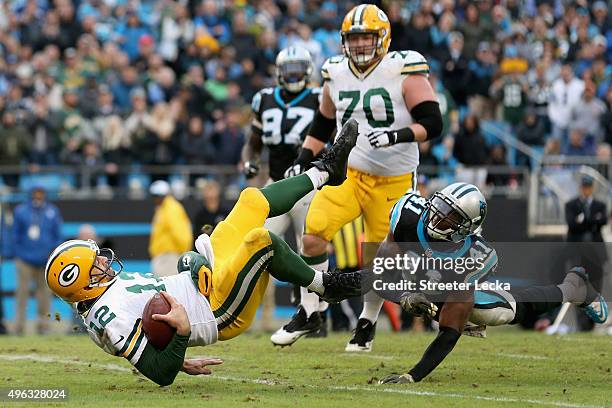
{"x":510,"y":368}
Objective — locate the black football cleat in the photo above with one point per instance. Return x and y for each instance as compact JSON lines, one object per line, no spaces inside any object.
{"x":335,"y":160}
{"x":340,"y":285}
{"x":363,"y":337}
{"x":298,"y":327}
{"x":323,"y":331}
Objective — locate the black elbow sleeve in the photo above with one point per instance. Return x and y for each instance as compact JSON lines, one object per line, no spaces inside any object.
{"x":427,"y":114}
{"x":322,"y":128}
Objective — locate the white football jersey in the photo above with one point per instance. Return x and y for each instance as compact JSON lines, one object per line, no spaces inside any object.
{"x":375,"y":100}
{"x":114,"y":322}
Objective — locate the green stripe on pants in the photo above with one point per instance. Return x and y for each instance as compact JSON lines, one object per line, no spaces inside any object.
{"x":244,"y":273}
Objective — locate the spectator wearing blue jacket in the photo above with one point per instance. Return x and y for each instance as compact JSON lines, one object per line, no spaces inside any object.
{"x":37,"y":228}
{"x":211,"y":19}
{"x":5,"y":252}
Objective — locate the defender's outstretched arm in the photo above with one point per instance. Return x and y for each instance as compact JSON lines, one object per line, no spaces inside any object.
{"x":453,"y":317}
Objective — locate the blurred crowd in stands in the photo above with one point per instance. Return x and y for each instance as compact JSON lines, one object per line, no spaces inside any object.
{"x":113,"y":82}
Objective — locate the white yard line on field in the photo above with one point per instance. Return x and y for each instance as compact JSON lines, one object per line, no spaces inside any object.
{"x":51,"y":359}
{"x":525,"y":356}
{"x":463,"y":396}
{"x":367,"y":355}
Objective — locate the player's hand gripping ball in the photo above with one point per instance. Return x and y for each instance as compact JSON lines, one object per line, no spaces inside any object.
{"x":158,"y":332}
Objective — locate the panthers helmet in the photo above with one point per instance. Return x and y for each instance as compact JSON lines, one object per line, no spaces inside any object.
{"x":71,"y":272}
{"x":293,"y":68}
{"x":455,"y":212}
{"x":366,"y":18}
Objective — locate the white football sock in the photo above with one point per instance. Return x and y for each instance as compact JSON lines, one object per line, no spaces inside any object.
{"x":372,"y":303}
{"x":317,"y":177}
{"x":310,"y":301}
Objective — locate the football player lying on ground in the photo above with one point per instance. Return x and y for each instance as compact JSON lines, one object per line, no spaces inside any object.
{"x":447,"y":227}
{"x":500,"y":307}
{"x":217,"y":296}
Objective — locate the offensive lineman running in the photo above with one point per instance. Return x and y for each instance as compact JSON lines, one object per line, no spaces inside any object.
{"x":217,"y":293}
{"x":391,"y":98}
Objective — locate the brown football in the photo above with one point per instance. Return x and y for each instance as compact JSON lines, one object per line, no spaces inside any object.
{"x":158,"y":333}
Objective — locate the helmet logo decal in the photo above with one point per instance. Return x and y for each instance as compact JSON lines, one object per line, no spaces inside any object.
{"x":382,"y":16}
{"x":69,"y":275}
{"x":483,"y":208}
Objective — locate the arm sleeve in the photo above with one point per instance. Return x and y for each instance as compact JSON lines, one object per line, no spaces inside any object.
{"x":435,"y":353}
{"x":163,"y":366}
{"x":428,"y":115}
{"x":321,"y":127}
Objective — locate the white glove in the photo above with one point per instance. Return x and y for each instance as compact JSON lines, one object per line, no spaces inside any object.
{"x":382,"y":138}
{"x":250,"y":170}
{"x":294,"y":170}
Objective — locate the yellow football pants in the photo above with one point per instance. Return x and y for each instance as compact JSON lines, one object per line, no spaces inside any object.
{"x":360,"y":194}
{"x":242,"y":252}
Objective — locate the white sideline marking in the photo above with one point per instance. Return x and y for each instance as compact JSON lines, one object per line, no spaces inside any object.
{"x":51,"y":359}
{"x":525,"y":356}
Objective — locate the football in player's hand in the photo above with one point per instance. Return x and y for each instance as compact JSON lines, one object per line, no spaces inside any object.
{"x":158,"y":333}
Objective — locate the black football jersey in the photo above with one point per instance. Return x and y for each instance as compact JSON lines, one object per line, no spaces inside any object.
{"x":283,"y":124}
{"x":408,"y":228}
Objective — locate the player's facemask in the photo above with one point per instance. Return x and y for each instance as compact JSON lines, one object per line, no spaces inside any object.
{"x":293,"y":75}
{"x":361,"y":47}
{"x":103,"y":274}
{"x":446,"y":221}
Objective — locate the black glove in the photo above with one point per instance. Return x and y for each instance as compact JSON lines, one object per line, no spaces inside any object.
{"x":250,"y":170}
{"x":417,"y":304}
{"x":301,"y":163}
